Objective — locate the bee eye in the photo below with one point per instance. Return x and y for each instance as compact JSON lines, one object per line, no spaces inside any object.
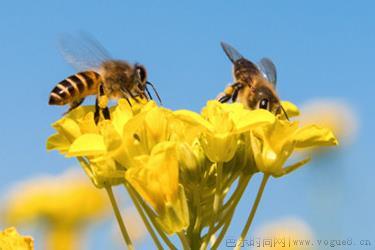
{"x":263,"y":104}
{"x":141,"y":72}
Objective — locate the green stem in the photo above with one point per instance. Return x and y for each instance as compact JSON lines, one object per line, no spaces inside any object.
{"x":118,"y":217}
{"x":228,"y":217}
{"x":246,"y":228}
{"x":184,"y":241}
{"x":144,"y":218}
{"x":217,"y":202}
{"x":152,"y":216}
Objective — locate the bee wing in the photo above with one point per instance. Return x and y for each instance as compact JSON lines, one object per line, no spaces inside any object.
{"x":82,"y":51}
{"x":268,"y":69}
{"x":231,"y":52}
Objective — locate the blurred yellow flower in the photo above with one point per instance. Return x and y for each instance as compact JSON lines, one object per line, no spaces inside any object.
{"x":284,"y":234}
{"x":272,"y":145}
{"x":11,"y":240}
{"x":335,"y":114}
{"x":65,"y":204}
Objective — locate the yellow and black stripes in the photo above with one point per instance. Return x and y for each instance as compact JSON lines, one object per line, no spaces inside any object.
{"x":75,"y":87}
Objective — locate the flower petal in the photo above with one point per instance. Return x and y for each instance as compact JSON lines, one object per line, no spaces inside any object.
{"x":58,"y":142}
{"x":313,"y":135}
{"x":193,"y":118}
{"x":291,"y":109}
{"x":246,"y":119}
{"x":88,"y":145}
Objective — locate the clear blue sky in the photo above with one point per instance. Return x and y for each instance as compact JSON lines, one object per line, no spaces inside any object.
{"x":321,"y":49}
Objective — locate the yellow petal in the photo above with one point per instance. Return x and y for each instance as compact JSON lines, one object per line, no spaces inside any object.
{"x":58,"y":142}
{"x":219,"y":147}
{"x":313,"y":135}
{"x":111,"y":138}
{"x":291,"y":109}
{"x":11,"y":240}
{"x":245,"y":119}
{"x":156,"y":126}
{"x":68,"y":128}
{"x":175,"y":216}
{"x":156,"y":180}
{"x":88,"y":144}
{"x":121,"y":115}
{"x":87,"y":124}
{"x":193,"y":119}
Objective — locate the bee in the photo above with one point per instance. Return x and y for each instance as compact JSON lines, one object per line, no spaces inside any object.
{"x":254,"y":85}
{"x":99,"y":75}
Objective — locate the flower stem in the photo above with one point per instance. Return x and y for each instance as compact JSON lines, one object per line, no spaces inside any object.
{"x":217,"y":203}
{"x":246,"y":228}
{"x":120,"y":222}
{"x":228,"y":217}
{"x":152,"y":216}
{"x":143,"y":216}
{"x":184,"y":241}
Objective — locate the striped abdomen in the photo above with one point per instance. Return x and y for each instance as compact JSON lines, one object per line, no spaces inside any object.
{"x":75,"y":87}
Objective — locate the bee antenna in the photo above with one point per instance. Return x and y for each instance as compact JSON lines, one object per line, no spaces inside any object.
{"x":286,"y":115}
{"x":157,"y":94}
{"x":148,"y":93}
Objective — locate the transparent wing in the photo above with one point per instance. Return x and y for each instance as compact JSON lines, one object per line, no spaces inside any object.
{"x":231,"y":52}
{"x":268,"y":69}
{"x":82,"y":51}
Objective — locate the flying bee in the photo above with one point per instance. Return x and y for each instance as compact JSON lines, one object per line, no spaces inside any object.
{"x":254,"y":85}
{"x":99,"y":75}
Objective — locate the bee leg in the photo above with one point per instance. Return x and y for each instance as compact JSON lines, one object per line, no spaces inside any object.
{"x":74,"y":105}
{"x":224,"y":98}
{"x":235,"y":94}
{"x":98,"y":109}
{"x":129,"y":93}
{"x":97,"y":112}
{"x":230,"y":92}
{"x":127,"y":99}
{"x":105,"y":111}
{"x":237,"y":87}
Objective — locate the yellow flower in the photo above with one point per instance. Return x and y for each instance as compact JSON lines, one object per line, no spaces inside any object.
{"x":144,"y":131}
{"x":11,"y":240}
{"x":222,"y":124}
{"x":285,"y":234}
{"x":180,"y":166}
{"x":272,"y":145}
{"x":156,"y":179}
{"x":94,"y":145}
{"x":64,"y":203}
{"x":337,"y":115}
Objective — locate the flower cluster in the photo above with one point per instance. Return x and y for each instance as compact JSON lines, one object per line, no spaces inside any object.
{"x":10,"y":240}
{"x":179,"y":166}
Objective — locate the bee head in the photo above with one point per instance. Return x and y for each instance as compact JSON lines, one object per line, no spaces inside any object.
{"x":268,"y":100}
{"x":141,"y":75}
{"x":264,"y":96}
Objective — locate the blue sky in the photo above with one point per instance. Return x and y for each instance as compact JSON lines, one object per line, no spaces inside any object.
{"x":321,"y":49}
